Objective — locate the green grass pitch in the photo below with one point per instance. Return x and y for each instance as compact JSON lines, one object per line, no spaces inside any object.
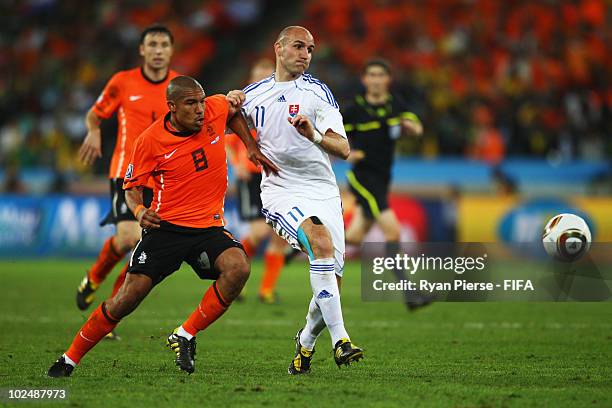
{"x":449,"y":354}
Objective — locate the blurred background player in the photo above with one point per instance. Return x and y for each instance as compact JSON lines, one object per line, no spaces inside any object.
{"x":373,"y":124}
{"x":138,"y":96}
{"x":248,"y":180}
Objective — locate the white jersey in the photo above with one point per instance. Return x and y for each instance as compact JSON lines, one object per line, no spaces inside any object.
{"x":305,"y":169}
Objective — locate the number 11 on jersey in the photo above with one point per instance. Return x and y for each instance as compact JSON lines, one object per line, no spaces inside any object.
{"x":260,"y":113}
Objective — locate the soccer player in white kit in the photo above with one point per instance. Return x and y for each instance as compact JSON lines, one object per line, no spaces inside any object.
{"x":298,"y":124}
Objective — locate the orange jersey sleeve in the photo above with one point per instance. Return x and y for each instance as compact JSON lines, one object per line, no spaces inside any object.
{"x":142,"y":164}
{"x":110,"y":98}
{"x":189,"y":170}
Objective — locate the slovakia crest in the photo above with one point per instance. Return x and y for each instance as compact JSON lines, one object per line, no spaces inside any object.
{"x":294,"y":110}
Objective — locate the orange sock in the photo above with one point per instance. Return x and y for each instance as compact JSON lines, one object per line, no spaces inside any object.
{"x":249,"y":248}
{"x":99,"y":324}
{"x":120,"y":279}
{"x":273,"y":264}
{"x":210,"y":309}
{"x":107,"y":259}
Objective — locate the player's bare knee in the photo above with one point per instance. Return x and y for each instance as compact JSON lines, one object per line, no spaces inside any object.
{"x":129,"y":296}
{"x":235,"y":267}
{"x":128,"y":240}
{"x":127,"y":236}
{"x":120,"y":306}
{"x":259,"y":231}
{"x":122,"y":243}
{"x":238,"y":272}
{"x":354,"y":237}
{"x":393,"y":234}
{"x":322,"y":246}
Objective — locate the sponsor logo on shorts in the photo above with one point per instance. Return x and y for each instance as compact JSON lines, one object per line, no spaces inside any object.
{"x":324,"y":295}
{"x":142,"y":258}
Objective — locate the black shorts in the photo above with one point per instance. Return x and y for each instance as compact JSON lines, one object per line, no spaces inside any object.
{"x":161,"y":251}
{"x":119,"y":210}
{"x":371,"y":193}
{"x":249,"y":198}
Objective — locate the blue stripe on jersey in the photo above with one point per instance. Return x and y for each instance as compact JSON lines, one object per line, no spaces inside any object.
{"x":330,"y":96}
{"x":249,"y":88}
{"x":278,"y":218}
{"x":284,"y":222}
{"x":313,"y":91}
{"x":309,"y":78}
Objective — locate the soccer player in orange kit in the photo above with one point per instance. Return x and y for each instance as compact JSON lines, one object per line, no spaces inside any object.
{"x":184,"y":153}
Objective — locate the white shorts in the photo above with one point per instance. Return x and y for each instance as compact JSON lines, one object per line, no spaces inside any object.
{"x":286,"y":214}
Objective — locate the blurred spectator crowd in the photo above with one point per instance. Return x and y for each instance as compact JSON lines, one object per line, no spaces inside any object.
{"x":489,"y":78}
{"x":57,"y":55}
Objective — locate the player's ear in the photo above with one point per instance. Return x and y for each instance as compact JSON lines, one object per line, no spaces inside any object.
{"x":277,"y":48}
{"x":141,"y":50}
{"x":171,"y":106}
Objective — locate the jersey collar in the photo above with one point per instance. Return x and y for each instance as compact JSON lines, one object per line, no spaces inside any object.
{"x":379,"y":111}
{"x":286,"y":84}
{"x":169,"y":128}
{"x":142,"y":72}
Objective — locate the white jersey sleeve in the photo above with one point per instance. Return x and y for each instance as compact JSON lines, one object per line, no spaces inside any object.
{"x":327,"y":113}
{"x":329,"y":118}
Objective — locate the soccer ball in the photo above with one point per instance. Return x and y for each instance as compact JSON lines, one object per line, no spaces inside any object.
{"x":566,"y":237}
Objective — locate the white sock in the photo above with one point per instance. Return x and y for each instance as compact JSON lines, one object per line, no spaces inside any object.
{"x":68,"y":360}
{"x":314,"y":325}
{"x":183,"y":333}
{"x":327,"y":297}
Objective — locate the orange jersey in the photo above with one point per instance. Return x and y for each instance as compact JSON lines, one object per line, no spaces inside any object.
{"x":189,"y":171}
{"x":240,"y":152}
{"x":139,"y":102}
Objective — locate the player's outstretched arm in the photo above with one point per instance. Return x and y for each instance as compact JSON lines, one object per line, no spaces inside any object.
{"x":355,"y":156}
{"x":147,"y":218}
{"x":331,"y":142}
{"x":411,"y":125}
{"x":238,"y":124}
{"x":91,"y":149}
{"x":235,"y":99}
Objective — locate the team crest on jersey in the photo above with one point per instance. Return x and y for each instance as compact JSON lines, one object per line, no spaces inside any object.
{"x":294,"y":110}
{"x":129,"y":171}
